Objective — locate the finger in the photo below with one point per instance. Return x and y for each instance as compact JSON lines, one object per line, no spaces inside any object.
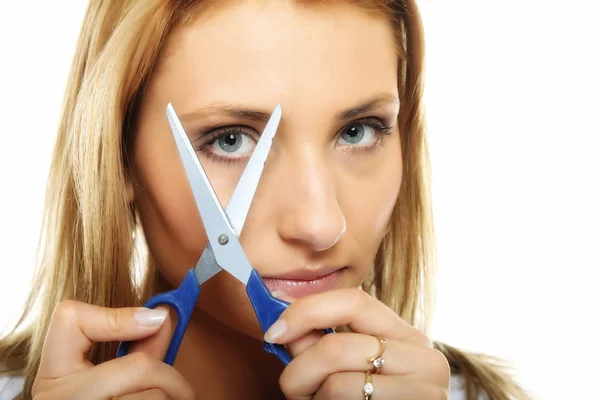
{"x":152,"y":394}
{"x":283,"y":296}
{"x":157,"y":344}
{"x":351,"y":352}
{"x":349,"y":386}
{"x":131,"y":374}
{"x":353,"y":307}
{"x":301,"y":344}
{"x":304,"y":342}
{"x":75,"y":325}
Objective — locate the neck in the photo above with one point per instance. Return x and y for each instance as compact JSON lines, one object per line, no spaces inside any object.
{"x":222,"y":363}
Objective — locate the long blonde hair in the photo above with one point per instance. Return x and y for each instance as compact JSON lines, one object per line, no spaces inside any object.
{"x":88,"y":251}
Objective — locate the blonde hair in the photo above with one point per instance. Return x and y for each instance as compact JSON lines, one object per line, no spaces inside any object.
{"x":88,"y":252}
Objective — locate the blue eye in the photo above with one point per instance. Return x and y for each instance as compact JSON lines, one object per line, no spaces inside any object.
{"x":228,"y":144}
{"x":358,"y":134}
{"x":231,"y":142}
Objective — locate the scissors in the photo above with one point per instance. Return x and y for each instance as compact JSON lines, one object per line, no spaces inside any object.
{"x":223,"y":250}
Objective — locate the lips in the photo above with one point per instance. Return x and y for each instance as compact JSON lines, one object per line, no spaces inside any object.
{"x":304,"y":282}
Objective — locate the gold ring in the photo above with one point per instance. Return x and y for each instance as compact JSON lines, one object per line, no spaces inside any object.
{"x":114,"y":398}
{"x":377,"y":361}
{"x":368,"y":389}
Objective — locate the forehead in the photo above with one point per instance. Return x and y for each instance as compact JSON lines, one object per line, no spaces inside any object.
{"x":279,"y":51}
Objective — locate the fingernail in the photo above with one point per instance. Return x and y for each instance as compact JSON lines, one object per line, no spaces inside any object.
{"x":276,"y":331}
{"x":278,"y":293}
{"x":149,"y":317}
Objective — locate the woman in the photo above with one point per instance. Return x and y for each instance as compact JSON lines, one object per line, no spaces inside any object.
{"x":343,"y":203}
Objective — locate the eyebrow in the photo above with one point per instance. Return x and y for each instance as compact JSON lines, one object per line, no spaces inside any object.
{"x":381,"y":99}
{"x":233,"y":111}
{"x":228,"y":110}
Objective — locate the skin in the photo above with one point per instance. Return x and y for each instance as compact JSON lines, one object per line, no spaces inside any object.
{"x":322,"y":202}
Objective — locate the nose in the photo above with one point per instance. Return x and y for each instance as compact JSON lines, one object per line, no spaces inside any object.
{"x":310,"y":213}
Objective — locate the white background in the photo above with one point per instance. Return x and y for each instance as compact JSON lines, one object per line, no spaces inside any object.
{"x":513,"y":103}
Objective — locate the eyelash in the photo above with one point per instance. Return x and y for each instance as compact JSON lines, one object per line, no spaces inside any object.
{"x":382,"y":129}
{"x":206,"y":140}
{"x":376,"y":123}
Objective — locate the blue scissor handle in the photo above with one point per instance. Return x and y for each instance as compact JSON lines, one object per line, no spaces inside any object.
{"x":183,"y":300}
{"x":268,"y":309}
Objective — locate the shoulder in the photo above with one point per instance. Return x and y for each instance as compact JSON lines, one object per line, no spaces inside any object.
{"x":10,"y":386}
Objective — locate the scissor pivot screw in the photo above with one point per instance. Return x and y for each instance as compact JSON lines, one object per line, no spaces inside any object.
{"x":223,"y":239}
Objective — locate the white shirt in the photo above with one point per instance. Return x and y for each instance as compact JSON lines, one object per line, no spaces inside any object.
{"x":12,"y":386}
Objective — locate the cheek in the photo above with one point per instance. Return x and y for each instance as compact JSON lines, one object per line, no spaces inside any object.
{"x":370,"y":198}
{"x":172,"y":227}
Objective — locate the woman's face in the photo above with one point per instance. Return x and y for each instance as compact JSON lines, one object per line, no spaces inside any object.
{"x":334,"y":171}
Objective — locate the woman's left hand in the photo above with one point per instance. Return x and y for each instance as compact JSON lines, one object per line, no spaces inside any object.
{"x":334,"y":366}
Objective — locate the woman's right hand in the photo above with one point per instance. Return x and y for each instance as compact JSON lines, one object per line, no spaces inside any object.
{"x":65,"y":372}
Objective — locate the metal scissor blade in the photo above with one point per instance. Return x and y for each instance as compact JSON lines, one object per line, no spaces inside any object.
{"x":223,"y":241}
{"x":241,"y":199}
{"x":239,"y":204}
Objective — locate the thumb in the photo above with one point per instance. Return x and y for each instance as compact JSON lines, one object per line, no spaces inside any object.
{"x":74,"y":326}
{"x":298,"y":346}
{"x":157,"y":344}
